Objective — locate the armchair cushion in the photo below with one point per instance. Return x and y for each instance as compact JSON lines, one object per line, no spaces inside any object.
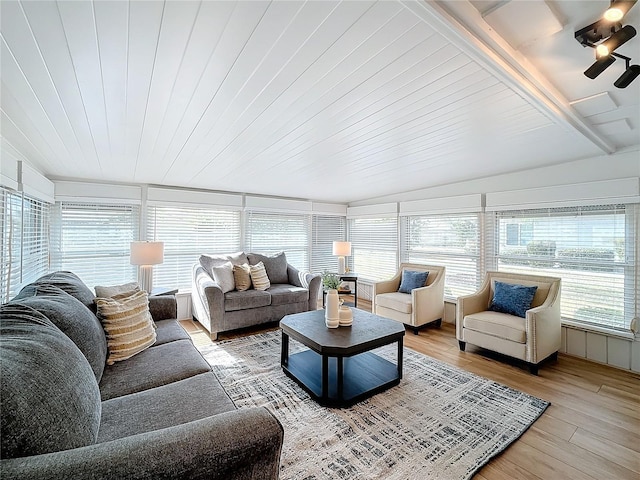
{"x":496,"y":324}
{"x":512,"y":299}
{"x":412,"y":280}
{"x":400,"y":302}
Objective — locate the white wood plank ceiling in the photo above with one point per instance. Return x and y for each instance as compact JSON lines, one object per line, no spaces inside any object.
{"x":322,"y":100}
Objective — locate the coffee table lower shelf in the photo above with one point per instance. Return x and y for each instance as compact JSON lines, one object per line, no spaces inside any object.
{"x":363,"y":375}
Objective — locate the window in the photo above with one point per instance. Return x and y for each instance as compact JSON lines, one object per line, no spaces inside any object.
{"x":187,"y":233}
{"x":449,"y":240}
{"x":374,"y":247}
{"x":269,"y":233}
{"x":25,"y":241}
{"x":93,"y":241}
{"x":325,"y":230}
{"x":590,"y":248}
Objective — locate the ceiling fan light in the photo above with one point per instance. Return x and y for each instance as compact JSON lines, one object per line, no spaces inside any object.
{"x":619,"y":38}
{"x":602,"y":51}
{"x":618,"y":9}
{"x":613,"y":14}
{"x":599,"y":66}
{"x":628,"y":76}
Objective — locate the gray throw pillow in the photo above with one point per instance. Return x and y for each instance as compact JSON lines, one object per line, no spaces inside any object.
{"x":76,"y":322}
{"x":276,"y":266}
{"x":49,"y":397}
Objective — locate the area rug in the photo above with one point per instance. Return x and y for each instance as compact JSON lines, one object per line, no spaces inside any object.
{"x":441,"y":422}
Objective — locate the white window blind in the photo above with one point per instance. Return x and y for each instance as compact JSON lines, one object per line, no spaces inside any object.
{"x":187,"y":233}
{"x":25,"y":241}
{"x":36,"y":216}
{"x":270,"y":233}
{"x":592,"y":249}
{"x":374,"y":247}
{"x":93,"y":241}
{"x":451,"y":240}
{"x":326,"y":229}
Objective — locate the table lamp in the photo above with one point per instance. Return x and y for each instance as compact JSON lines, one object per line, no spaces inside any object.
{"x":341,"y":249}
{"x":145,"y":255}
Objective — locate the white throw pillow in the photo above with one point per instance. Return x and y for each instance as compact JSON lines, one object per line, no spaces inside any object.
{"x":107,"y":292}
{"x":223,"y":276}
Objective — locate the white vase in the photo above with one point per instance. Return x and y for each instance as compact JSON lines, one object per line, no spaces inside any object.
{"x":331,"y":307}
{"x":346,"y":316}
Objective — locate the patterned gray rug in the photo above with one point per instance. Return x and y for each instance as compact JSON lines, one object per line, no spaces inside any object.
{"x":441,"y":422}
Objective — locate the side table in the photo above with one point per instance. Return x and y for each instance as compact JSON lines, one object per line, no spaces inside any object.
{"x":346,"y":277}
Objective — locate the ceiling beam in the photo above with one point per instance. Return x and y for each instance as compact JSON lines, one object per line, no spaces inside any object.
{"x":468,"y":31}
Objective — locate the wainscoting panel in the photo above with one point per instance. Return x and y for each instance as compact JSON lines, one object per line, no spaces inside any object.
{"x":619,"y":352}
{"x":576,"y":342}
{"x":596,"y":347}
{"x":184,"y":305}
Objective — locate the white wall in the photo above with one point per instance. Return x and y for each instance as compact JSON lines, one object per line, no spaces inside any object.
{"x":623,"y":164}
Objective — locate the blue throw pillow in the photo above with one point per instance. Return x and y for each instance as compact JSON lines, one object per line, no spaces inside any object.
{"x":512,"y":299}
{"x":411,"y":280}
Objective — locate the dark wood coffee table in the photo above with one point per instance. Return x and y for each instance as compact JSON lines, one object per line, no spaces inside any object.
{"x":339,"y":369}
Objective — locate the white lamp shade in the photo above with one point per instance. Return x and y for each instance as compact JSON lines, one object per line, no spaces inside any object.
{"x":147,"y":253}
{"x":342,"y":249}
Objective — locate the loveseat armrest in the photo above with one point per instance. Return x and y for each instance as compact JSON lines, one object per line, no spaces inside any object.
{"x":163,"y":307}
{"x":207,"y":300}
{"x":242,"y":444}
{"x":310,"y":281}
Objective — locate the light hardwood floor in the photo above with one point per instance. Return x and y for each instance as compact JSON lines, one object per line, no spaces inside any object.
{"x":590,"y":431}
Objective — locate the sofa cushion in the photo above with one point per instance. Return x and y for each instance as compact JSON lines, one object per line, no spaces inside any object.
{"x":242,"y":277}
{"x":180,"y":402}
{"x":501,"y":325}
{"x":169,"y":331}
{"x":49,"y":398}
{"x":248,"y":299}
{"x":70,"y":283}
{"x":283,"y":294}
{"x":259,"y":276}
{"x":127,"y":323}
{"x":223,"y":276}
{"x":73,"y":318}
{"x":400,"y":302}
{"x":412,"y":280}
{"x":512,"y":299}
{"x":275,"y":265}
{"x":111,"y":291}
{"x":156,"y":366}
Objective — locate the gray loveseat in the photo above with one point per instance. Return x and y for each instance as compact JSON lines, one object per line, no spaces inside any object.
{"x":221,"y":309}
{"x":160,"y":414}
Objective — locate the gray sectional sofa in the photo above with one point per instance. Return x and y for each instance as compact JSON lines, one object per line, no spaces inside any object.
{"x":160,"y":414}
{"x":291,"y":291}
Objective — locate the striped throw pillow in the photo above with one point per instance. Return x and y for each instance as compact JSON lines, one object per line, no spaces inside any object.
{"x":259,"y":276}
{"x":127,"y":324}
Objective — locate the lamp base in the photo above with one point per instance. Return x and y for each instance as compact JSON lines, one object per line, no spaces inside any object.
{"x":145,"y":278}
{"x":341,"y":265}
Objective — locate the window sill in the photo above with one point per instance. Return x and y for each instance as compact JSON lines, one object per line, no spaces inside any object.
{"x":625,"y":335}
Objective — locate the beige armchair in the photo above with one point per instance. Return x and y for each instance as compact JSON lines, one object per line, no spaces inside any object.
{"x":416,"y":309}
{"x":532,"y":339}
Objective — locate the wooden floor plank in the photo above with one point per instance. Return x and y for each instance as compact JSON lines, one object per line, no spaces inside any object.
{"x":612,"y":451}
